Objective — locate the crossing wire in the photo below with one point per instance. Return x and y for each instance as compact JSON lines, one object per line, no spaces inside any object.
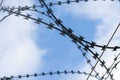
{"x":60,"y":30}
{"x":50,"y":12}
{"x":113,"y":65}
{"x":63,"y":31}
{"x":33,"y":8}
{"x":104,"y":50}
{"x":39,"y":21}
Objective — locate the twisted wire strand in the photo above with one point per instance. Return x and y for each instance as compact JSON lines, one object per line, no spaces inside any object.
{"x":104,"y":50}
{"x":51,"y":26}
{"x":65,"y":72}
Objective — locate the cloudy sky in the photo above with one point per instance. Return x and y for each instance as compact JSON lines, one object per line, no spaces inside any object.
{"x":26,"y":47}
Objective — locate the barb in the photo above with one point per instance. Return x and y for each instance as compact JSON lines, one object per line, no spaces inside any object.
{"x":105,"y":48}
{"x":65,"y":72}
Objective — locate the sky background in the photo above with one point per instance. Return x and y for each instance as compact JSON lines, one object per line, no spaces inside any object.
{"x":26,"y":47}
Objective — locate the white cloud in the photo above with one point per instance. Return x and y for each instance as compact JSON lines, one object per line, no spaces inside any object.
{"x":108,"y":13}
{"x":19,"y":54}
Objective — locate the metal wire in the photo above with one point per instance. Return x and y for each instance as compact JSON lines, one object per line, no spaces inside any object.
{"x":39,"y":21}
{"x":104,"y":49}
{"x":65,"y":72}
{"x":33,"y":8}
{"x":1,"y":3}
{"x":66,"y":31}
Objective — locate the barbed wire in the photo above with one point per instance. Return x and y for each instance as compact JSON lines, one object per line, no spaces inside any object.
{"x":51,"y":26}
{"x":34,"y":8}
{"x":65,"y":72}
{"x":39,"y":21}
{"x":73,"y":37}
{"x":65,"y":32}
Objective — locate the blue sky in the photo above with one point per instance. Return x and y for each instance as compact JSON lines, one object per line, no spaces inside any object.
{"x":34,"y":48}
